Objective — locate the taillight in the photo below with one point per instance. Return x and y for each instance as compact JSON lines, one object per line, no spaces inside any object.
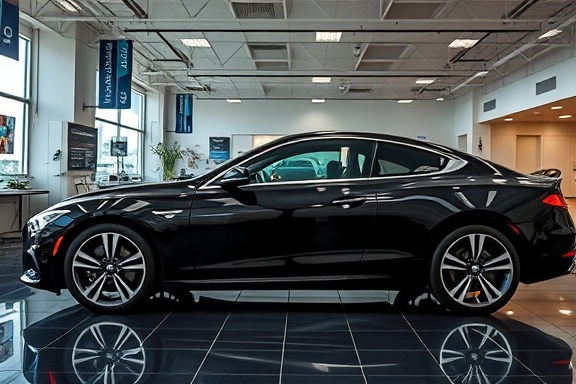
{"x":555,"y":200}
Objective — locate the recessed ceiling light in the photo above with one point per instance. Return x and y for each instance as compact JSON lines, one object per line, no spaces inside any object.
{"x":537,"y":113}
{"x":323,"y":37}
{"x":318,"y":101}
{"x":564,"y":116}
{"x":405,"y":101}
{"x":463,"y":43}
{"x":234,"y":100}
{"x":508,"y":119}
{"x":200,"y":43}
{"x":565,"y":311}
{"x":556,"y":107}
{"x":425,"y":81}
{"x":321,"y":80}
{"x":552,"y":33}
{"x":439,"y":99}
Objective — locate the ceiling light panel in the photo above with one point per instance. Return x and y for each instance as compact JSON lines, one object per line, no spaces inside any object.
{"x":318,"y":101}
{"x":68,"y":5}
{"x":463,"y":43}
{"x":327,"y":37}
{"x":321,"y":80}
{"x":199,"y":43}
{"x":552,"y":33}
{"x":405,"y":101}
{"x":425,"y":81}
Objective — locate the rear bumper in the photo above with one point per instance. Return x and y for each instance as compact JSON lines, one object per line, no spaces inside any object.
{"x":551,"y":239}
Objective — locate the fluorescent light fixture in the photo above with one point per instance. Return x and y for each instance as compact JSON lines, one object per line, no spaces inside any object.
{"x":479,"y":74}
{"x":199,"y":43}
{"x":68,"y":5}
{"x":234,"y":100}
{"x":439,"y":99}
{"x":323,"y":37}
{"x":463,"y":43}
{"x":556,"y":107}
{"x":321,"y":80}
{"x":564,"y":116}
{"x":405,"y":101}
{"x":513,"y":54}
{"x":425,"y":81}
{"x":551,"y":33}
{"x":508,"y":119}
{"x":318,"y":101}
{"x":565,"y":312}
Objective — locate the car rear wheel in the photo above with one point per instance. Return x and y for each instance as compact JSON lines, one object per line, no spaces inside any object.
{"x":109,"y":268}
{"x":475,"y":270}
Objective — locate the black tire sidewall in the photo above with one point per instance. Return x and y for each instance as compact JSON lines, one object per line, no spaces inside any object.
{"x":149,"y":278}
{"x":436,"y":282}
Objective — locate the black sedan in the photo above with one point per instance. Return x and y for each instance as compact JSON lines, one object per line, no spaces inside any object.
{"x":384,"y":213}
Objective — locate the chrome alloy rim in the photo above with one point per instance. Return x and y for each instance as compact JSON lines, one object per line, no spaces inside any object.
{"x":109,"y":269}
{"x":108,"y":352}
{"x":476,"y":270}
{"x":476,"y":353}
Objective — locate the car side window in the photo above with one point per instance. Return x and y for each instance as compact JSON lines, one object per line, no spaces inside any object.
{"x":313,"y":160}
{"x":397,"y":159}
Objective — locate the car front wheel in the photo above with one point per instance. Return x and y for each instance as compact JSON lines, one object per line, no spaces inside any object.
{"x":109,"y":268}
{"x":475,"y":270}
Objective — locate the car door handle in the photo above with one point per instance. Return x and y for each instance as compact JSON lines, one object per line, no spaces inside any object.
{"x":347,"y":203}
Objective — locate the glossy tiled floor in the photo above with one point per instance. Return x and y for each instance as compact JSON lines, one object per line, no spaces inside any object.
{"x":285,"y":337}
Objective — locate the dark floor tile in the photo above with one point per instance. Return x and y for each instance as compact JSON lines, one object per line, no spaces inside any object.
{"x":318,"y":340}
{"x":245,"y":362}
{"x":440,"y":322}
{"x":322,"y":379}
{"x":166,"y":338}
{"x":566,"y":379}
{"x":249,"y":339}
{"x":388,"y":340}
{"x":547,"y":363}
{"x":204,"y":378}
{"x":326,"y":362}
{"x":317,"y":321}
{"x":396,"y":363}
{"x":196,"y":319}
{"x":377,"y":322}
{"x":256,"y":321}
{"x":407,"y":379}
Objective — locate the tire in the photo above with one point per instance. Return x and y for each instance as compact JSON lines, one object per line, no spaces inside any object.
{"x":475,"y":270}
{"x":109,"y":268}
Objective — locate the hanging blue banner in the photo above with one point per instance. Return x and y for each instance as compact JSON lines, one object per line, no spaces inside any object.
{"x":184,"y":110}
{"x":115,"y":74}
{"x":9,"y":19}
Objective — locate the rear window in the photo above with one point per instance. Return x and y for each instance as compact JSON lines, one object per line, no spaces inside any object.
{"x":397,"y":159}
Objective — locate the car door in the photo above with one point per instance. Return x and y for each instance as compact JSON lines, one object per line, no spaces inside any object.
{"x":404,"y":178}
{"x":293,"y":220}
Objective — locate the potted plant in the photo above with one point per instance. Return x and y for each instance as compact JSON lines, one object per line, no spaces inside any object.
{"x":169,"y":155}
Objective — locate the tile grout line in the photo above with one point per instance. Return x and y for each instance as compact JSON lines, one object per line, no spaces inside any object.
{"x":284,"y":340}
{"x":158,"y":326}
{"x":215,"y":338}
{"x":352,"y":337}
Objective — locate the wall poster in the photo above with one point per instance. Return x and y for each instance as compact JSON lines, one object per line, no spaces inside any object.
{"x":7,"y":124}
{"x":184,"y":112}
{"x":82,"y":147}
{"x":219,"y":149}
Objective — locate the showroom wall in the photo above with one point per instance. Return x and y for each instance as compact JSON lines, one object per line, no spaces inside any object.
{"x":213,"y":118}
{"x":554,"y":146}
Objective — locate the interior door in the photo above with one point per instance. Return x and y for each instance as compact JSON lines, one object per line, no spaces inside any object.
{"x":293,"y":221}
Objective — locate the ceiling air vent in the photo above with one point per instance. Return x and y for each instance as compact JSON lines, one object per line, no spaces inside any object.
{"x":258,"y":10}
{"x":359,"y":90}
{"x":268,"y":51}
{"x":546,"y":86}
{"x":490,"y":105}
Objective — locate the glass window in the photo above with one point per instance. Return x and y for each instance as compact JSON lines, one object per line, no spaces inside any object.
{"x":118,"y":124}
{"x":312,"y":160}
{"x":14,"y":107}
{"x":398,"y":159}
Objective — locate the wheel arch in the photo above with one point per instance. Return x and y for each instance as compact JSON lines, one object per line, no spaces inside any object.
{"x":140,"y":227}
{"x":491,"y":219}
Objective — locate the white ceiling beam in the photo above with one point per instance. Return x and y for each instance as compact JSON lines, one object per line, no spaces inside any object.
{"x":387,"y":9}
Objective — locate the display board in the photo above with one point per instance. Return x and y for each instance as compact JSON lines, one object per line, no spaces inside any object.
{"x":82,"y":147}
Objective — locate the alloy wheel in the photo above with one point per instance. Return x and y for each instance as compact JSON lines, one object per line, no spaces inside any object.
{"x":476,"y":270}
{"x":108,"y":269}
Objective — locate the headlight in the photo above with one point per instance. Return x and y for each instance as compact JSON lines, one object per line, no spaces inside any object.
{"x":38,"y":222}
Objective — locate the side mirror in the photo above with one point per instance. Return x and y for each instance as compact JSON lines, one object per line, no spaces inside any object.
{"x":235,"y":177}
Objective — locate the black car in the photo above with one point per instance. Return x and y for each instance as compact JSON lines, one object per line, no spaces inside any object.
{"x":385,"y":213}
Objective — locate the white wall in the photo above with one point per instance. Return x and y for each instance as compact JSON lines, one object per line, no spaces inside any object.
{"x":220,"y":118}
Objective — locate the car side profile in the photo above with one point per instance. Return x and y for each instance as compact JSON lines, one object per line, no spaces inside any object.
{"x":373,"y":212}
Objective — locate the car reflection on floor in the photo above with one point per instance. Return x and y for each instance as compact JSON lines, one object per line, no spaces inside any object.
{"x":291,"y":337}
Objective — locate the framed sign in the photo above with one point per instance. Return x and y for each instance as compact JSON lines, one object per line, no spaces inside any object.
{"x":82,"y":147}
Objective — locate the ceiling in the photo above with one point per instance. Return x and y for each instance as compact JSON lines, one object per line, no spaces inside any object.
{"x":547,"y":113}
{"x":267,"y":49}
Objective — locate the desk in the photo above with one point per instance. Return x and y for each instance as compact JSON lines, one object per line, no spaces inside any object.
{"x":20,"y":193}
